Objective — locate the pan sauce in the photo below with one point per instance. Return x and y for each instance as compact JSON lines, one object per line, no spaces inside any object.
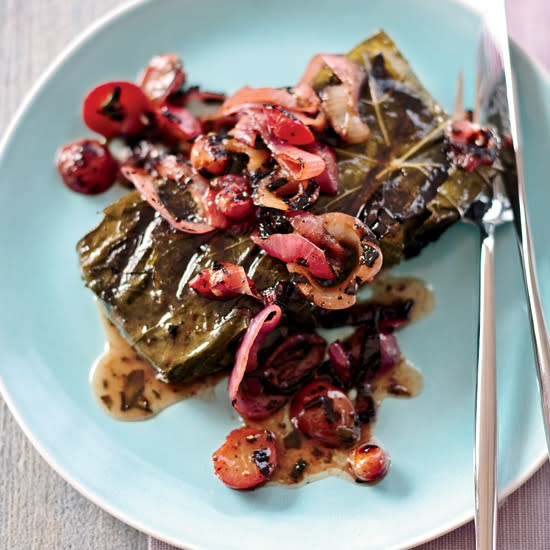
{"x":126,"y":388}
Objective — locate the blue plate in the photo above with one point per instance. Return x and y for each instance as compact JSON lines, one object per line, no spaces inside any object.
{"x":157,"y":475}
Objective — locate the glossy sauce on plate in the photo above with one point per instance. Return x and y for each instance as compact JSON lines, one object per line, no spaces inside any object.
{"x":126,"y":388}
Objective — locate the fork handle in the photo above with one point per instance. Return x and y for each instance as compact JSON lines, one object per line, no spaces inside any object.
{"x":539,"y":331}
{"x":485,"y":459}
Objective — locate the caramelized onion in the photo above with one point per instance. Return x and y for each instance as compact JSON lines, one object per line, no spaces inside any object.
{"x":345,"y":120}
{"x":314,"y":229}
{"x":297,"y":163}
{"x":317,"y":123}
{"x":273,"y":124}
{"x":304,"y":99}
{"x":265,"y":196}
{"x":294,"y":249}
{"x":316,"y":249}
{"x":245,"y":131}
{"x":171,"y":167}
{"x":148,"y":186}
{"x":340,"y":359}
{"x":390,"y":355}
{"x":176,"y":123}
{"x":246,"y":358}
{"x":352,"y":234}
{"x":256,"y":157}
{"x":341,"y":102}
{"x":328,"y":179}
{"x":274,"y":191}
{"x":307,"y":99}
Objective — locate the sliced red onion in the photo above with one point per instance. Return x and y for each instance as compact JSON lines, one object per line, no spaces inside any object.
{"x":171,"y":167}
{"x":295,"y":249}
{"x":352,"y":234}
{"x":389,"y":351}
{"x":196,"y":94}
{"x":340,"y":357}
{"x":341,"y":102}
{"x":256,"y":157}
{"x":295,"y":161}
{"x":342,"y":66}
{"x":328,"y":179}
{"x":245,"y":131}
{"x":177,"y":123}
{"x":343,"y":115}
{"x":263,"y":196}
{"x":299,"y":164}
{"x":313,"y":228}
{"x":304,"y":99}
{"x":289,"y":196}
{"x":307,"y":99}
{"x":246,"y":358}
{"x":147,"y":185}
{"x":317,"y":123}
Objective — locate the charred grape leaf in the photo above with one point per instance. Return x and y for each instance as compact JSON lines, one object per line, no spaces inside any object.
{"x":399,"y":182}
{"x":139,"y":266}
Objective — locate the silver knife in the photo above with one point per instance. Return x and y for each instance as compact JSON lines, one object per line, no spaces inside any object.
{"x":503,"y":109}
{"x":498,"y":98}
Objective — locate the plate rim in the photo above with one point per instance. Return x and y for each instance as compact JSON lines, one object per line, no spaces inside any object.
{"x":103,"y":20}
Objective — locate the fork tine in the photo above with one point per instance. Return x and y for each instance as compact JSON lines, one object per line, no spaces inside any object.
{"x":458,"y":112}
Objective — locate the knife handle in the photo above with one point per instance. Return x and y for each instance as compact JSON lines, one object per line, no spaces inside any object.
{"x":485,"y":454}
{"x":539,"y":331}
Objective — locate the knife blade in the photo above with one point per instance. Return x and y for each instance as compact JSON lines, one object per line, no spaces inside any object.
{"x":500,"y":106}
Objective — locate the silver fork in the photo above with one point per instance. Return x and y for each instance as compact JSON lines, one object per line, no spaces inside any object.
{"x":487,"y":217}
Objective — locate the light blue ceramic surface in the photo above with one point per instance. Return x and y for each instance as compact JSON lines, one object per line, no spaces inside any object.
{"x":157,"y":474}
